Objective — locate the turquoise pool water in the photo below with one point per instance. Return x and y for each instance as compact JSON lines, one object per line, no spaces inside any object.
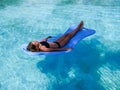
{"x":94,"y":64}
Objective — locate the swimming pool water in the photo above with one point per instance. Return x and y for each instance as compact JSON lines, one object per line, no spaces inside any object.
{"x":94,"y":63}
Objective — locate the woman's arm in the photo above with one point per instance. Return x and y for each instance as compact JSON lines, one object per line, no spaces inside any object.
{"x":54,"y":49}
{"x":45,"y":39}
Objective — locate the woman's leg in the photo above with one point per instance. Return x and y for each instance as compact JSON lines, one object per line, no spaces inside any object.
{"x":65,"y":38}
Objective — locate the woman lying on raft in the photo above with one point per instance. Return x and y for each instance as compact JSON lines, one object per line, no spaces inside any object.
{"x":57,"y":45}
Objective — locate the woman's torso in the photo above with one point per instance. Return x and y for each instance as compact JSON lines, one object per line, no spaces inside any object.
{"x":49,"y":44}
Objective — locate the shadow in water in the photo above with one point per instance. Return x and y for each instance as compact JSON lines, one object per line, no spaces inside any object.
{"x":76,"y":70}
{"x":5,"y":3}
{"x":113,"y":58}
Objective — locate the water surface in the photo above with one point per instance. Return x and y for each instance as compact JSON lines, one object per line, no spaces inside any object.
{"x":94,"y":63}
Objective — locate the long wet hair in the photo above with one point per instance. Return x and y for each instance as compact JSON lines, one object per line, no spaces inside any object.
{"x":32,"y":47}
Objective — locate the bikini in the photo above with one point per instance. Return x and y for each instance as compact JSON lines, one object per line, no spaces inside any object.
{"x":46,"y":44}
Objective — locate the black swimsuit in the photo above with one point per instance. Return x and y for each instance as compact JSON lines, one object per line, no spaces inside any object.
{"x":58,"y":44}
{"x":46,"y":44}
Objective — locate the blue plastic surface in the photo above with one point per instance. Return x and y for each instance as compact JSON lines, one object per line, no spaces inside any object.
{"x":78,"y":37}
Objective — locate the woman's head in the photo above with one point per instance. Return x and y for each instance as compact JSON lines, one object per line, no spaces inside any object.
{"x":33,"y":46}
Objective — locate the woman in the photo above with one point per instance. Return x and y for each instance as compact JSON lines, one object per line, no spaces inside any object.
{"x":36,"y":46}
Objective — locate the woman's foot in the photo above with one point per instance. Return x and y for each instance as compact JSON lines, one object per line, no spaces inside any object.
{"x":80,"y":26}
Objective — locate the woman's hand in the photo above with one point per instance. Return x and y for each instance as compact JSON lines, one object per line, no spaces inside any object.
{"x":69,"y":49}
{"x":49,"y":37}
{"x":43,"y":48}
{"x":45,"y":39}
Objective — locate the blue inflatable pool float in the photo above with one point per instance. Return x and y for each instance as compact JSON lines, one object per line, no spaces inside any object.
{"x":85,"y":32}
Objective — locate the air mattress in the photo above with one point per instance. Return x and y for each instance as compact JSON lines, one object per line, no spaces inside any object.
{"x":85,"y":32}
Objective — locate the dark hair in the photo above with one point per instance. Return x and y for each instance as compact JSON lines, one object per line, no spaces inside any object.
{"x":31,"y":46}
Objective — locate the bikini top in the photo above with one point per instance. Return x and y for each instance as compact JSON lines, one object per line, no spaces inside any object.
{"x":46,"y":44}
